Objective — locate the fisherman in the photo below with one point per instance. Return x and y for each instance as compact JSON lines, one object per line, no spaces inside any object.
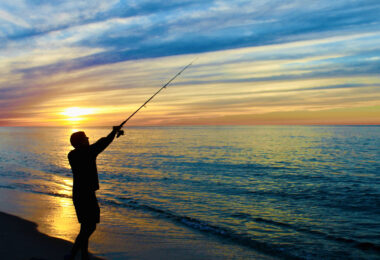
{"x":83,"y":164}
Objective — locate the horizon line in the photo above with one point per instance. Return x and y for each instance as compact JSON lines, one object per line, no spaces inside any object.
{"x":195,"y":125}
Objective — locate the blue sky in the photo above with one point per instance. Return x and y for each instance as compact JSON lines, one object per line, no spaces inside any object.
{"x":256,"y":59}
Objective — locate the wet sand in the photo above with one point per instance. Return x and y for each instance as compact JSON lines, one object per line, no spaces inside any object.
{"x":20,"y":239}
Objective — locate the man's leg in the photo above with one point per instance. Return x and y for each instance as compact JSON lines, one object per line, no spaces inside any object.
{"x":88,"y":230}
{"x":81,"y":242}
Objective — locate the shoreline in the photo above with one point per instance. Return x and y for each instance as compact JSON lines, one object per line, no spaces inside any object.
{"x":121,"y":234}
{"x":20,"y":239}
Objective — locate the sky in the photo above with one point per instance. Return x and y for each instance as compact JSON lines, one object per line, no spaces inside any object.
{"x":264,"y":62}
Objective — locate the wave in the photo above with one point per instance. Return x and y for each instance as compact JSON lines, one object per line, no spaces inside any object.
{"x":352,"y":242}
{"x":349,"y":201}
{"x":7,"y":187}
{"x":203,"y":226}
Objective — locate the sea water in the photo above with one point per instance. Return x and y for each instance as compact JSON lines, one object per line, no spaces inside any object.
{"x":305,"y":192}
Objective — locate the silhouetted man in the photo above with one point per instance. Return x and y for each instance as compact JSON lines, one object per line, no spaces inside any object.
{"x":83,"y":164}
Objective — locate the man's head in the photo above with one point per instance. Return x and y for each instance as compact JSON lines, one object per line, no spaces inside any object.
{"x":79,"y":139}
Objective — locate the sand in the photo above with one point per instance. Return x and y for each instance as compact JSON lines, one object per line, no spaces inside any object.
{"x":20,"y":240}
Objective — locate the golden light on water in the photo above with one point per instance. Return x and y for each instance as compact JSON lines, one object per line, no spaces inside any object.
{"x":60,"y":216}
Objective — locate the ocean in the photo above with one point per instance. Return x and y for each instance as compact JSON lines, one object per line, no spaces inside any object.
{"x":288,"y":192}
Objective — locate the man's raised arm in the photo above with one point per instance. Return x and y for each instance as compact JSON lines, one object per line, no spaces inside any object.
{"x":103,"y":142}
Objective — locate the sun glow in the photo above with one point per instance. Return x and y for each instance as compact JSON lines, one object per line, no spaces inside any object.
{"x":75,"y":114}
{"x":77,"y":111}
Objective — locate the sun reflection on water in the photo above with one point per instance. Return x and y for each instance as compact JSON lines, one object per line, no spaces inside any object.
{"x":60,"y":213}
{"x":61,"y":218}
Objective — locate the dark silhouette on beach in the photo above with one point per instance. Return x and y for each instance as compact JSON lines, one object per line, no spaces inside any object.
{"x":85,"y":174}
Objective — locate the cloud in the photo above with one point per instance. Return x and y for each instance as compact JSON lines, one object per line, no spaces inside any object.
{"x":5,"y":16}
{"x":253,"y":55}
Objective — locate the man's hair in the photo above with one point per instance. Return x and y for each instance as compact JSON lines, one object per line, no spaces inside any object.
{"x":76,"y":138}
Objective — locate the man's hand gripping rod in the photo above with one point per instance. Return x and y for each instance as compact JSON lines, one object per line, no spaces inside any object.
{"x":121,"y":132}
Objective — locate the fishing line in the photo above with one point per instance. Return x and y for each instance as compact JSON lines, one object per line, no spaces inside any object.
{"x":149,"y":99}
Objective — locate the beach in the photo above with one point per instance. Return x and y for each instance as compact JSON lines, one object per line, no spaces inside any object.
{"x":20,"y":240}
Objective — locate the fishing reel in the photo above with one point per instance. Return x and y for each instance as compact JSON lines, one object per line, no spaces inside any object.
{"x":119,"y":133}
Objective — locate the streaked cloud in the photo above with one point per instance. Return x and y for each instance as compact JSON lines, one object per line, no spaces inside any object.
{"x":14,"y":20}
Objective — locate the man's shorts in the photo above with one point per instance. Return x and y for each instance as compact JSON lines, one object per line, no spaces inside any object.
{"x":87,"y":207}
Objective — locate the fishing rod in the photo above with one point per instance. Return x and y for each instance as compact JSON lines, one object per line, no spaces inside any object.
{"x":146,"y":102}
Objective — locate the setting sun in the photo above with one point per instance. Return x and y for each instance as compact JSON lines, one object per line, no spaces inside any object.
{"x":77,"y":111}
{"x":75,"y":114}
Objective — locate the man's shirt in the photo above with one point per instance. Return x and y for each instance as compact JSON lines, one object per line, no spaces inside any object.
{"x":83,"y":165}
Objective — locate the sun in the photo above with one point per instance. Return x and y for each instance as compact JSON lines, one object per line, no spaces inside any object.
{"x":75,"y":114}
{"x":77,"y":111}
